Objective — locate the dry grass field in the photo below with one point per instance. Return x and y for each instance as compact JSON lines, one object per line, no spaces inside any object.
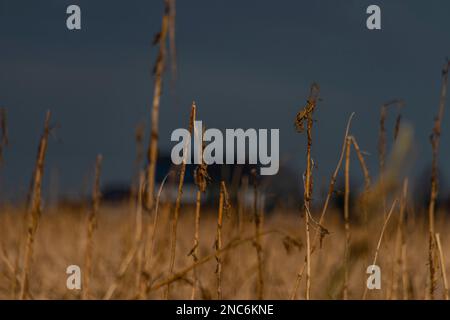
{"x":61,"y":241}
{"x":151,"y":248}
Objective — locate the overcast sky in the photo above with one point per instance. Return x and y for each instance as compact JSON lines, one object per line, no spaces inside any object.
{"x":247,"y":64}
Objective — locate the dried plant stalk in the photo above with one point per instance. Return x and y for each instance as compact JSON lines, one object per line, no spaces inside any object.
{"x":34,"y":211}
{"x":307,"y":115}
{"x":194,"y":251}
{"x":201,"y":180}
{"x":139,"y":240}
{"x":258,"y":218}
{"x":160,"y":39}
{"x":149,"y":247}
{"x":380,"y":239}
{"x":347,"y":217}
{"x":442,"y":261}
{"x":173,"y":238}
{"x":435,"y":139}
{"x":367,"y":184}
{"x":362,"y":162}
{"x":218,"y":242}
{"x":321,"y":231}
{"x":399,"y":245}
{"x":91,"y":226}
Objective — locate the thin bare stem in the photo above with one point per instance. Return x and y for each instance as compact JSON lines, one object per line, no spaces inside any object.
{"x":399,"y":243}
{"x":91,"y":226}
{"x":435,"y":139}
{"x":442,"y":261}
{"x":201,"y":180}
{"x":160,"y":39}
{"x":306,"y":115}
{"x":362,"y":162}
{"x":321,"y":232}
{"x":173,"y":239}
{"x":258,"y":218}
{"x":380,"y":239}
{"x":347,"y":217}
{"x":150,"y":242}
{"x":35,"y":209}
{"x":218,"y":243}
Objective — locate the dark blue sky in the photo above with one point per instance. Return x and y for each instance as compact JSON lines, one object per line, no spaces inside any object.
{"x":246,"y":64}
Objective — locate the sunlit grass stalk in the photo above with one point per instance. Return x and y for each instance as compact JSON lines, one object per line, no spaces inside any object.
{"x":347,"y":217}
{"x":306,"y":115}
{"x":91,"y":226}
{"x":442,"y":261}
{"x":196,"y":241}
{"x":34,"y":211}
{"x":399,"y":245}
{"x":218,"y":242}
{"x":201,"y":180}
{"x":258,"y":219}
{"x":367,"y":184}
{"x":321,"y":232}
{"x":140,"y":239}
{"x":374,"y":262}
{"x":173,"y":238}
{"x":435,"y":139}
{"x":150,"y":243}
{"x":160,"y":39}
{"x":362,"y":162}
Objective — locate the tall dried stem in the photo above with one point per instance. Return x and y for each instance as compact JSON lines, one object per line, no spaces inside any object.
{"x":34,"y":211}
{"x":347,"y":217}
{"x":258,"y":218}
{"x":158,"y":71}
{"x":399,"y":245}
{"x":218,"y":242}
{"x":367,"y":184}
{"x":149,"y":247}
{"x":91,"y":226}
{"x":201,"y":180}
{"x":374,"y":262}
{"x":442,"y":261}
{"x":306,"y":114}
{"x":173,"y":238}
{"x":435,"y":139}
{"x":321,"y":231}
